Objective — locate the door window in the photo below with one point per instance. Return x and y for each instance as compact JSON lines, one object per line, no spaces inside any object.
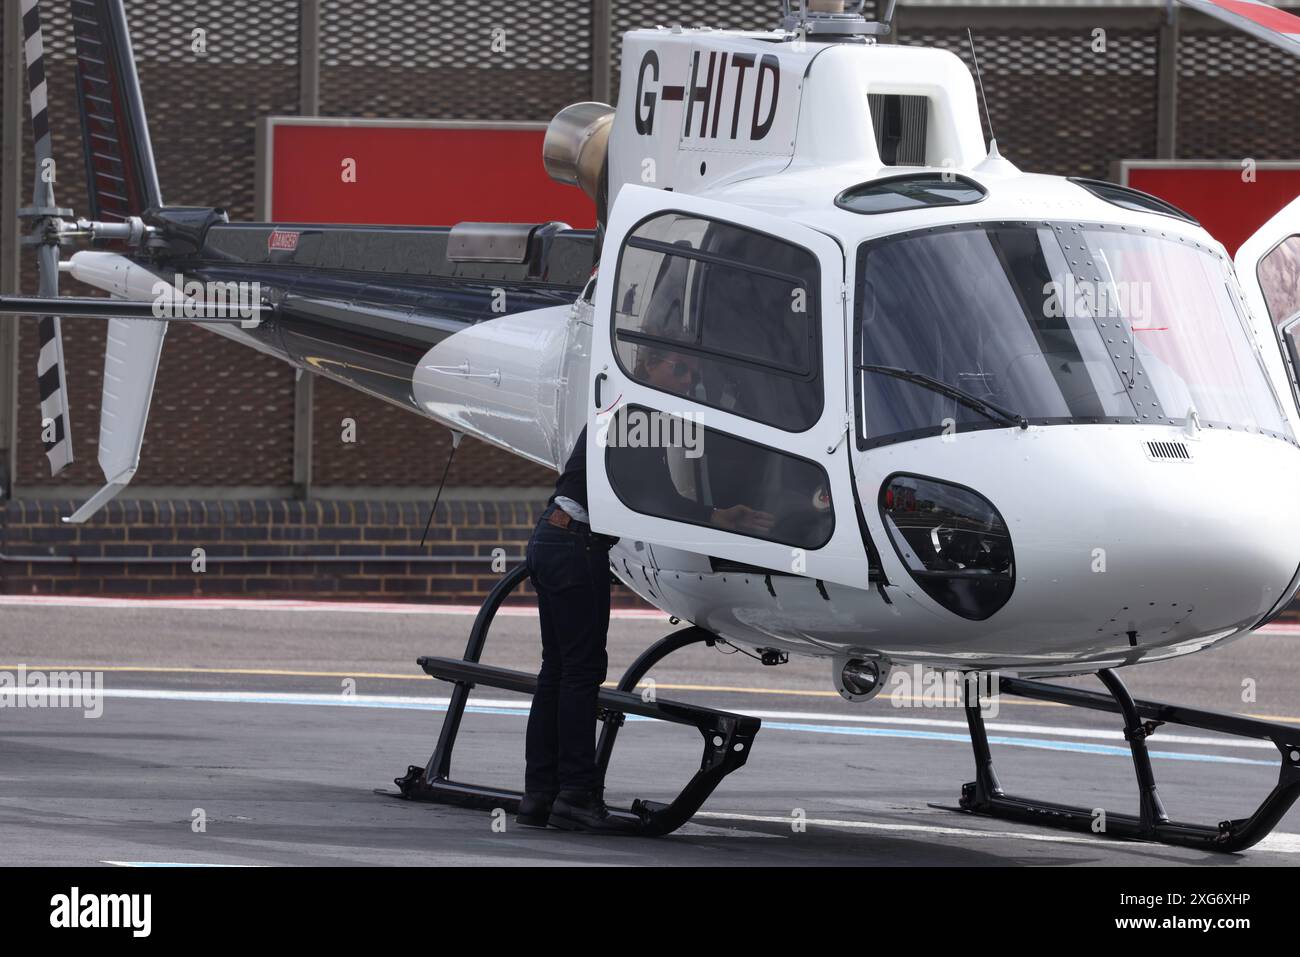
{"x":674,"y":468}
{"x":1279,"y":277}
{"x":721,"y":316}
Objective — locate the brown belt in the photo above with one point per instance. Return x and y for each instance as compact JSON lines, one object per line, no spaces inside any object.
{"x":559,"y":518}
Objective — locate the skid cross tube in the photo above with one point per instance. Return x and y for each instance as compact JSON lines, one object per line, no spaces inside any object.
{"x":985,"y":795}
{"x":727,"y":737}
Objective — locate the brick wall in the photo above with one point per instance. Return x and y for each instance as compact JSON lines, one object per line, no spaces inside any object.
{"x":395,"y":447}
{"x":268,"y":548}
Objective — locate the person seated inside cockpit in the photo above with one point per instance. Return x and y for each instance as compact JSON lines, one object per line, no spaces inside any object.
{"x":667,"y":371}
{"x":645,"y":474}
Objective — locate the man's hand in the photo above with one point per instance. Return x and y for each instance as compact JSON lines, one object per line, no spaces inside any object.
{"x":742,"y":518}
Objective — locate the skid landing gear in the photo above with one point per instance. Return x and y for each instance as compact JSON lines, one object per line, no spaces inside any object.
{"x":984,"y":795}
{"x":727,"y":737}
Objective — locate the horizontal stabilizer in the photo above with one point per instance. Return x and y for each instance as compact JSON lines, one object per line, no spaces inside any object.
{"x":130,"y":368}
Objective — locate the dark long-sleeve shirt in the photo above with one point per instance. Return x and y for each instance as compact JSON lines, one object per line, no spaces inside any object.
{"x":572,"y":482}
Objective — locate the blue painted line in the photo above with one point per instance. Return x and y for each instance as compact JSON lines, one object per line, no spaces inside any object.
{"x":1046,"y":744}
{"x":171,"y":864}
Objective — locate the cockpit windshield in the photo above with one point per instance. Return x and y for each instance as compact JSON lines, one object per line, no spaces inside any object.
{"x":1054,"y":323}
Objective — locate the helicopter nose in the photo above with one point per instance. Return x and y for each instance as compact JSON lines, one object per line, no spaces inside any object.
{"x":1172,"y":550}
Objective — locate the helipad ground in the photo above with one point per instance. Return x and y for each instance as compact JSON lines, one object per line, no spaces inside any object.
{"x":273,"y":724}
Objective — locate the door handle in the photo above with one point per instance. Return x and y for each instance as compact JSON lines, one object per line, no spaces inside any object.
{"x":600,"y":377}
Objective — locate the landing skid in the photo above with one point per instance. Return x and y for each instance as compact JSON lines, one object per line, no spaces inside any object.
{"x":727,"y":737}
{"x":985,"y":796}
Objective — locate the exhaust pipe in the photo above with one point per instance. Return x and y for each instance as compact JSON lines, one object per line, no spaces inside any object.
{"x":577,"y":146}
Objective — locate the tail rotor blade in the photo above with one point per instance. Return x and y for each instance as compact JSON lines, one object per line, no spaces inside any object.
{"x":56,"y":433}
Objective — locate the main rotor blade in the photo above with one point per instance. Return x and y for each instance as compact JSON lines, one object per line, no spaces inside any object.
{"x":91,"y":307}
{"x":1261,"y":20}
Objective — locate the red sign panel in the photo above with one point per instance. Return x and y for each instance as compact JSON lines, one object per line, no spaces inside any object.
{"x":322,"y":170}
{"x":1230,"y":200}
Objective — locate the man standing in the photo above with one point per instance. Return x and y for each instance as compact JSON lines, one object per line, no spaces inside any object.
{"x":568,"y":565}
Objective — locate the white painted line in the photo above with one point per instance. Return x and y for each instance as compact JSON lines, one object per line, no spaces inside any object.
{"x":293,"y":605}
{"x":1274,"y":843}
{"x":914,"y":828}
{"x":520,"y":705}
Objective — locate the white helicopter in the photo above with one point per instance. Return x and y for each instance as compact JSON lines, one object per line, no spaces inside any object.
{"x":855,"y":387}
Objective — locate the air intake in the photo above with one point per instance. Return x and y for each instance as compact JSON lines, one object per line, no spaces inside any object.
{"x":1169,"y":451}
{"x":900,"y":123}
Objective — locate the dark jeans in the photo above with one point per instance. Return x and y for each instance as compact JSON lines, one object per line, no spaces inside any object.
{"x":569,"y":568}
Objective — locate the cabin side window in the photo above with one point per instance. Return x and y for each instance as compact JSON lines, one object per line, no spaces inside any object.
{"x":1279,"y":278}
{"x":675,"y":468}
{"x":721,"y":316}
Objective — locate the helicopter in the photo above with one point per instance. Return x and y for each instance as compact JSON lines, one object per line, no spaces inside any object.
{"x":854,"y":386}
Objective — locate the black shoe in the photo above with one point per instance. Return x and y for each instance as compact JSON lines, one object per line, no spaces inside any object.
{"x":534,"y":809}
{"x":587,"y":811}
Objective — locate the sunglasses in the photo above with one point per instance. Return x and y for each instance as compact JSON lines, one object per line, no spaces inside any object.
{"x":681,"y":369}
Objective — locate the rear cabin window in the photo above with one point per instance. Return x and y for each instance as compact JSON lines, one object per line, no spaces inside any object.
{"x":722,"y":316}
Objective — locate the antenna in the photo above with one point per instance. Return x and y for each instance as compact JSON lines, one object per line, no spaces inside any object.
{"x":979,"y":78}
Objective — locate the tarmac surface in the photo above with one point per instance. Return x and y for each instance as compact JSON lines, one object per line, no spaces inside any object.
{"x":256,"y":733}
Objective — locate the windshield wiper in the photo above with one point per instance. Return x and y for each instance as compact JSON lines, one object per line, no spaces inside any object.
{"x":982,"y":406}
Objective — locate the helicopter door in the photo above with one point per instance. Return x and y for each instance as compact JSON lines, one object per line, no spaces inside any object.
{"x":1268,"y":267}
{"x":717,"y":415}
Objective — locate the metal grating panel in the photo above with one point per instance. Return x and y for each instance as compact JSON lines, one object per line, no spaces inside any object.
{"x":1237,"y":98}
{"x":491,"y":60}
{"x":1058,"y":107}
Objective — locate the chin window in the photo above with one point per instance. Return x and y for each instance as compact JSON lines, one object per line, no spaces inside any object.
{"x":953,"y":541}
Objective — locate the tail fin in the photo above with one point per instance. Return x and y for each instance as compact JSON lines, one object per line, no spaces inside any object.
{"x":123,"y":189}
{"x":122,"y":182}
{"x":122,"y":179}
